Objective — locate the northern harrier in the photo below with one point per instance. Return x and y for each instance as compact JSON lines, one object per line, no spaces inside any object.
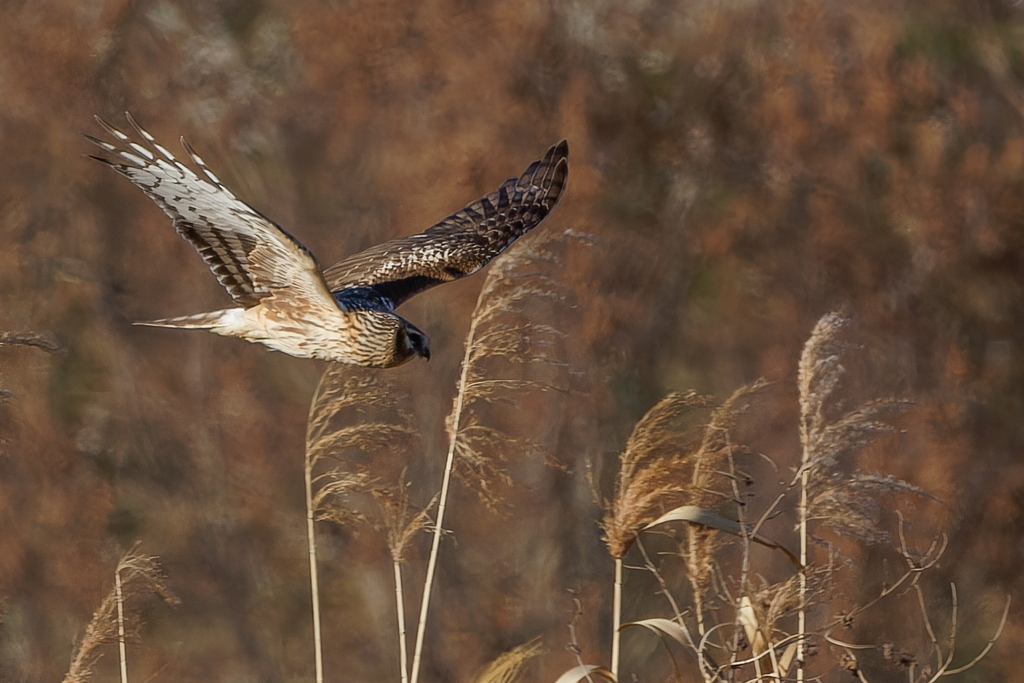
{"x":346,"y":313}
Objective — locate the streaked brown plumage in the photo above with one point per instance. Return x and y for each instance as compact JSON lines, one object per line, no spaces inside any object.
{"x":346,"y":313}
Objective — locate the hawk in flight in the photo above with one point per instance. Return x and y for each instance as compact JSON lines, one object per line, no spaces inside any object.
{"x":284,"y":299}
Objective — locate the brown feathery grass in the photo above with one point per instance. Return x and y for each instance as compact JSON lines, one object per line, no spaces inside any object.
{"x":401,"y":524}
{"x":508,"y":665}
{"x":664,"y":465}
{"x":710,"y":487}
{"x":332,"y":432}
{"x":653,"y":472}
{"x":497,"y":334}
{"x":137,"y":578}
{"x":651,"y":478}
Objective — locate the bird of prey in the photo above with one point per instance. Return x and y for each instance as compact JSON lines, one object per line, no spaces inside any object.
{"x":283,"y":298}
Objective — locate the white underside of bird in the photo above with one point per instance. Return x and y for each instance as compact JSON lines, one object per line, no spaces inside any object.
{"x":332,"y":339}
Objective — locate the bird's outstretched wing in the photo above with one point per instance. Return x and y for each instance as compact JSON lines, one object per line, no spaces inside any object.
{"x":460,"y":244}
{"x":251,"y":256}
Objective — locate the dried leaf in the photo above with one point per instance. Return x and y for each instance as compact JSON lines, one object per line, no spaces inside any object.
{"x":747,"y":618}
{"x":584,"y":672}
{"x":664,"y":627}
{"x":713,"y":520}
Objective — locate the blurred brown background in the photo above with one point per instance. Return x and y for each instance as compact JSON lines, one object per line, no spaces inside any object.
{"x":743,"y":167}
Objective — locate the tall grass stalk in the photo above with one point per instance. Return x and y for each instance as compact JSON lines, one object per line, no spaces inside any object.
{"x":478,"y":448}
{"x":122,"y":654}
{"x":338,"y":493}
{"x":403,"y":647}
{"x":314,"y":587}
{"x":801,"y":627}
{"x":442,"y":503}
{"x":651,"y":478}
{"x":616,"y":616}
{"x":137,"y":578}
{"x":833,"y":490}
{"x":674,"y":460}
{"x":402,"y":525}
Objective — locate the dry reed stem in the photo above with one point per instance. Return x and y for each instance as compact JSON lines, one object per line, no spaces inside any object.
{"x":715,"y":451}
{"x":333,"y":495}
{"x":832,"y":491}
{"x":117,"y":619}
{"x":401,"y":524}
{"x":616,"y":616}
{"x":661,"y":467}
{"x":650,"y":477}
{"x":442,"y":502}
{"x":122,"y":655}
{"x":314,"y":583}
{"x":471,"y":445}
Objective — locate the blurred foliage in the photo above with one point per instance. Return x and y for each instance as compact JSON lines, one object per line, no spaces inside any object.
{"x":743,"y":167}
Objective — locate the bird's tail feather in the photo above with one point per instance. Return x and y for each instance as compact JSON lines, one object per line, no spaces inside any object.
{"x":199,"y":321}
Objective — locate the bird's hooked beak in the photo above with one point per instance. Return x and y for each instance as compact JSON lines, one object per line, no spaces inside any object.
{"x":417,"y":342}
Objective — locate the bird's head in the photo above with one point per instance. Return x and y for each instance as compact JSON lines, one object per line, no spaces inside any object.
{"x":410,"y":342}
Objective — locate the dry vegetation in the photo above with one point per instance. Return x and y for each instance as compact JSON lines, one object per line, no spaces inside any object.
{"x":739,"y":169}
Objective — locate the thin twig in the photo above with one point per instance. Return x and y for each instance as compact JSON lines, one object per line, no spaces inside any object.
{"x":988,"y":646}
{"x":744,"y":562}
{"x":574,"y":644}
{"x":649,"y":565}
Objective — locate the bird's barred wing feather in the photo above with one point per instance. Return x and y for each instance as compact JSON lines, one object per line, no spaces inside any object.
{"x":251,"y":256}
{"x":460,"y":244}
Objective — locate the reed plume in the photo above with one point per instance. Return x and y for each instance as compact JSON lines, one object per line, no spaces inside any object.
{"x":476,"y":453}
{"x":498,"y":340}
{"x":137,"y":579}
{"x":337,"y":431}
{"x":670,"y":462}
{"x":833,"y":492}
{"x":838,"y":495}
{"x":655,"y":471}
{"x":507,"y":666}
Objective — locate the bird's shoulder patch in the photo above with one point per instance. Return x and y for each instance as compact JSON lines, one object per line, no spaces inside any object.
{"x":361,"y":299}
